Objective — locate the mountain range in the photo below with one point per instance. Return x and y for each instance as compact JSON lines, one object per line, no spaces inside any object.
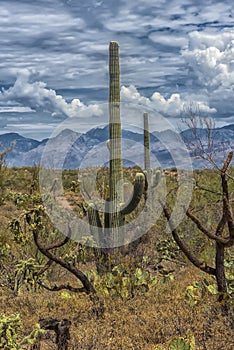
{"x":71,"y":150}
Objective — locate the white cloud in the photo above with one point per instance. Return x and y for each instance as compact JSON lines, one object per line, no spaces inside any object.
{"x":15,"y":109}
{"x":172,"y":40}
{"x":67,"y":43}
{"x":211,"y":57}
{"x":36,"y":96}
{"x":172,"y":107}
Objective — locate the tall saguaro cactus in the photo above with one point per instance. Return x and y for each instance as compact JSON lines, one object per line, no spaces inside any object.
{"x":115,"y":134}
{"x":116,"y":169}
{"x":110,"y":232}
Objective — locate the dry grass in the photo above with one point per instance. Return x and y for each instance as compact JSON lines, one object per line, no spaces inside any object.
{"x":139,"y":323}
{"x":143,"y":322}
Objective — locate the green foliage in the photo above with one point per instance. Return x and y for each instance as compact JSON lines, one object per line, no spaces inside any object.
{"x":3,"y":172}
{"x":10,"y":326}
{"x":74,"y":186}
{"x":26,"y":275}
{"x":194,"y":293}
{"x":20,"y":199}
{"x":19,"y":235}
{"x":32,"y":218}
{"x":83,"y":253}
{"x":23,"y":200}
{"x":167,"y":249}
{"x":123,"y":283}
{"x":198,"y":289}
{"x":229,"y":265}
{"x":33,"y":337}
{"x":181,"y":343}
{"x":211,"y":287}
{"x":4,"y":250}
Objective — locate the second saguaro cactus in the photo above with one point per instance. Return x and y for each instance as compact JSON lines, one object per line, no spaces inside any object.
{"x":146,"y":142}
{"x":152,"y":178}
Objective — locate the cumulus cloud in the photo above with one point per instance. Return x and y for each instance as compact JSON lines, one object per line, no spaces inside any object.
{"x":67,"y":42}
{"x":210,"y":57}
{"x":173,"y":106}
{"x":34,"y":95}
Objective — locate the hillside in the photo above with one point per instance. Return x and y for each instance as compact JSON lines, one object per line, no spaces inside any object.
{"x":167,"y":148}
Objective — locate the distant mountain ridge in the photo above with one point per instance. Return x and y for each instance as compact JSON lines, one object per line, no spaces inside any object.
{"x":89,"y":149}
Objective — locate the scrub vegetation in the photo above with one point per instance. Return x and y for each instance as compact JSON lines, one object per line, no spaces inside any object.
{"x":171,"y":288}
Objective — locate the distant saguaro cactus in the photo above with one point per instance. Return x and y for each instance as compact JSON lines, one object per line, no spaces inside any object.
{"x":152,"y":179}
{"x":110,"y":232}
{"x":146,"y":142}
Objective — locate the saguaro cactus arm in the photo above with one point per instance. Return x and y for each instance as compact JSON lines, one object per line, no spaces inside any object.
{"x":94,"y":218}
{"x":138,"y":190}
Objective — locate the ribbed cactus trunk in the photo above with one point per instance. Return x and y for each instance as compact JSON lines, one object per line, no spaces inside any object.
{"x":146,"y":142}
{"x":116,"y":167}
{"x":115,"y":136}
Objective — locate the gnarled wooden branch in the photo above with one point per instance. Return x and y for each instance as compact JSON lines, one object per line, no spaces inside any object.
{"x":88,"y":287}
{"x":204,"y":230}
{"x":44,"y":268}
{"x":196,"y":262}
{"x":56,"y":288}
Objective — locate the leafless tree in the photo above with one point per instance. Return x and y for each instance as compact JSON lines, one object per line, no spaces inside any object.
{"x":223,"y":234}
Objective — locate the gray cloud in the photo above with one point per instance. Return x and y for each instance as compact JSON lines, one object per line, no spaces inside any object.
{"x":35,"y":96}
{"x":166,"y":47}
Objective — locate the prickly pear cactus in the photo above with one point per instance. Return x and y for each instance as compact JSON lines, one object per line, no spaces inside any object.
{"x":179,"y":344}
{"x":183,"y":343}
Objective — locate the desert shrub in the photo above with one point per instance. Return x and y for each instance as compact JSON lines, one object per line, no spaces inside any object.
{"x":123,"y":282}
{"x":10,"y":328}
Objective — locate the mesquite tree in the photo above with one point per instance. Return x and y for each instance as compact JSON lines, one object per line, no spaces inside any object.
{"x":223,"y":234}
{"x":34,"y":222}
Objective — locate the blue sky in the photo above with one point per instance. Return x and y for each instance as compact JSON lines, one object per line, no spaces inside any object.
{"x":54,"y":61}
